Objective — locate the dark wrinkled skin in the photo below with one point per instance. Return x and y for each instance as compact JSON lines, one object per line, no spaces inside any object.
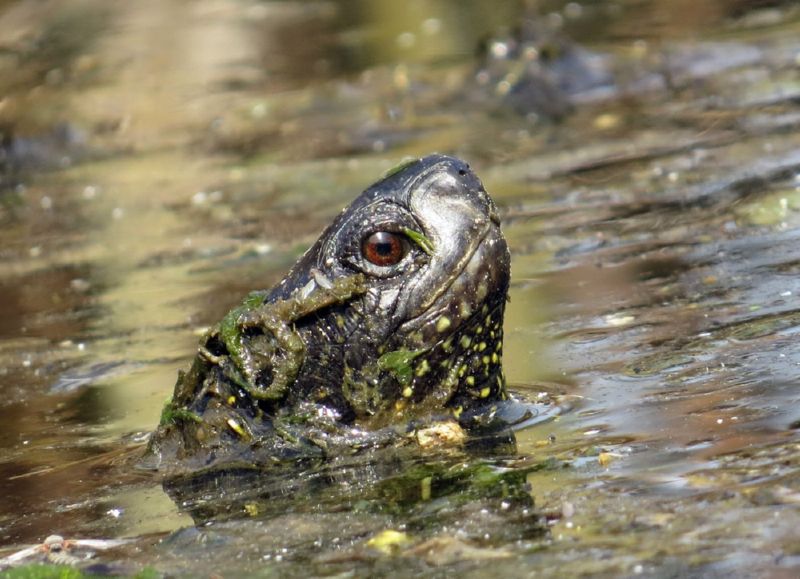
{"x":343,"y":353}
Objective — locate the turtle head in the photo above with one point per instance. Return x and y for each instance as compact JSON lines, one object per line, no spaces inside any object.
{"x":427,"y":333}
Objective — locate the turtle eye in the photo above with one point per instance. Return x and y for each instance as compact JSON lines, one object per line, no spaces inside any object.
{"x":384,"y":248}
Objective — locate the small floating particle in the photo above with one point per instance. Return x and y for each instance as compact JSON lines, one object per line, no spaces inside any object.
{"x":259,"y":110}
{"x":80,"y":285}
{"x":406,"y":39}
{"x":389,"y":541}
{"x":573,"y":10}
{"x":446,"y":433}
{"x":617,"y":320}
{"x":606,"y":121}
{"x":567,"y":510}
{"x":431,"y":26}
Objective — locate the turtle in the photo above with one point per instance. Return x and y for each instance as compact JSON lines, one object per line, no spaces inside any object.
{"x":392,"y":322}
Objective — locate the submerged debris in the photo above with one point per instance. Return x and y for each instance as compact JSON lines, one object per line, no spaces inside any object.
{"x":57,"y":550}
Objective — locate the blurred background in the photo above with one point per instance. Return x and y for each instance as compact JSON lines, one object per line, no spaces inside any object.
{"x":160,"y":159}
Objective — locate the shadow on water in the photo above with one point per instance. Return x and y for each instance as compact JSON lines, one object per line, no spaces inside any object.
{"x":159,"y":160}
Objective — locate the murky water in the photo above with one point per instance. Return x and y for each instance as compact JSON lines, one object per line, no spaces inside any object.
{"x":161,"y":159}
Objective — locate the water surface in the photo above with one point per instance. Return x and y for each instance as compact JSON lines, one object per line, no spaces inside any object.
{"x":162,"y":159}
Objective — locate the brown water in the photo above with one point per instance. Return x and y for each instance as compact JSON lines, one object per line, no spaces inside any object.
{"x":168,"y":157}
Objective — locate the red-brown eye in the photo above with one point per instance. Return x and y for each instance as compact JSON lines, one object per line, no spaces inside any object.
{"x":384,"y":248}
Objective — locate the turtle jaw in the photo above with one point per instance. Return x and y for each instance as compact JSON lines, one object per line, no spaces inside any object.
{"x":460,"y":337}
{"x":454,"y":310}
{"x":479,"y":286}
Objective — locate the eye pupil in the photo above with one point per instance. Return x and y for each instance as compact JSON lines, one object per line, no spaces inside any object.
{"x":384,"y":248}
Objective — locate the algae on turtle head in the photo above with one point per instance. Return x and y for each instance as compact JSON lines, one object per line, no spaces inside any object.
{"x":395,"y":314}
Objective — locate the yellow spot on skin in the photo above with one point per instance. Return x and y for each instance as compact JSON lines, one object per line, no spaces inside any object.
{"x":400,"y":405}
{"x":457,"y":411}
{"x":479,"y":330}
{"x":443,"y":324}
{"x":425,"y":488}
{"x":231,"y":400}
{"x":481,"y":346}
{"x":484,"y":309}
{"x":470,"y":380}
{"x":447,"y":346}
{"x":488,"y":320}
{"x":495,"y":358}
{"x":498,"y":346}
{"x":408,"y":391}
{"x":485,"y":392}
{"x":462,"y":370}
{"x":485,"y":360}
{"x":492,"y":334}
{"x":251,"y":509}
{"x":237,"y":428}
{"x":466,"y":341}
{"x":423,"y":368}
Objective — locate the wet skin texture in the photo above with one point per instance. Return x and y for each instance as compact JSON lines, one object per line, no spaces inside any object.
{"x":393,"y":317}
